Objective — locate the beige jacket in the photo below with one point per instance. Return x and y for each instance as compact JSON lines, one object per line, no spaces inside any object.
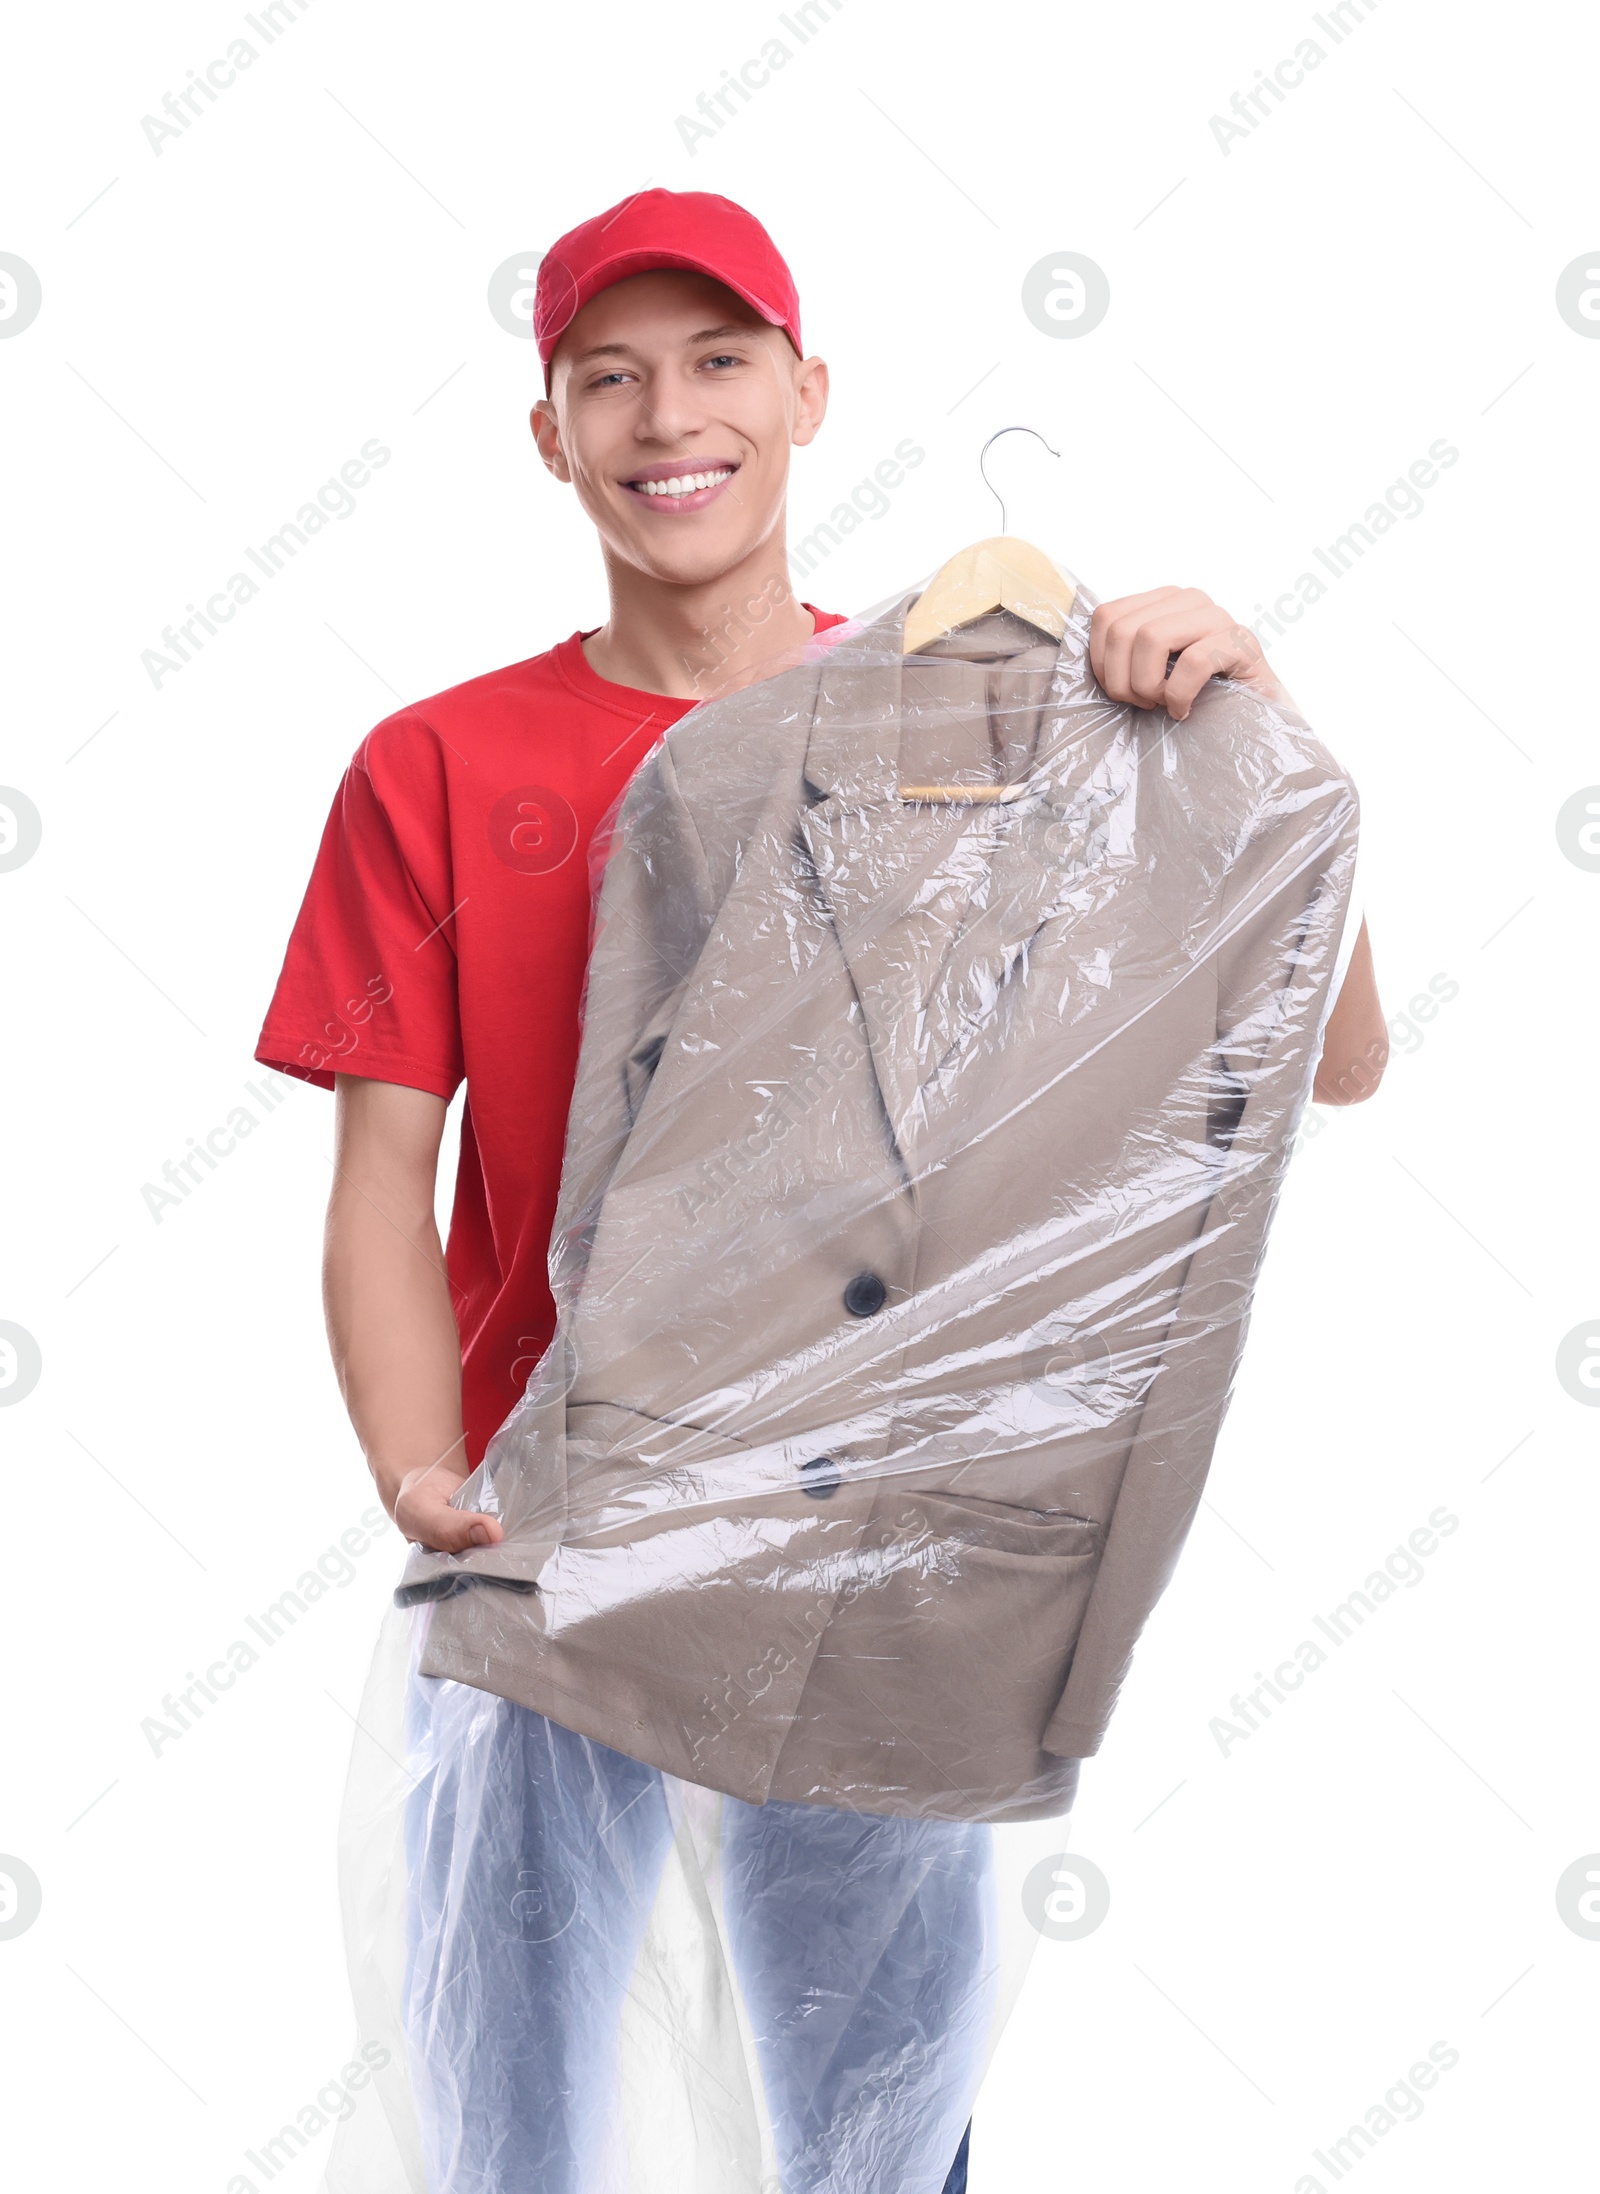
{"x":919,"y":1170}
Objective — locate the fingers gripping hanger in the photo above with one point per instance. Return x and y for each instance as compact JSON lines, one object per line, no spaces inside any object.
{"x":1000,"y":573}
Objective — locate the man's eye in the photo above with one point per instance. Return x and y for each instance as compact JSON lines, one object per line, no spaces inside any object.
{"x":608,"y":380}
{"x":722,"y":358}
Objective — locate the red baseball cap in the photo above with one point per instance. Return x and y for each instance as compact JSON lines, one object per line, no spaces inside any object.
{"x":692,"y":229}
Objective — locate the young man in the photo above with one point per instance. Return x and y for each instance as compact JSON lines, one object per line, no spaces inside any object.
{"x":444,"y":934}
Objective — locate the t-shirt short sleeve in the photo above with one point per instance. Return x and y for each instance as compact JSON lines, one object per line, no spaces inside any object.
{"x":369,"y":980}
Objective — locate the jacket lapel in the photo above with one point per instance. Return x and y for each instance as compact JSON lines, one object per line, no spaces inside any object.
{"x":894,"y":877}
{"x":1056,"y":856}
{"x":935,"y":907}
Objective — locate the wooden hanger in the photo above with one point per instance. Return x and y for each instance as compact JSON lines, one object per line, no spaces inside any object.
{"x":1000,"y":573}
{"x":966,"y":795}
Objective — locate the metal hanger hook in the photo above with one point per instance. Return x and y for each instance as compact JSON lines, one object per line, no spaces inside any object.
{"x":983,"y":453}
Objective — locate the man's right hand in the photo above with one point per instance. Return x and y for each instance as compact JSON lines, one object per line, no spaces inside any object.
{"x":393,"y":1332}
{"x":423,"y":1512}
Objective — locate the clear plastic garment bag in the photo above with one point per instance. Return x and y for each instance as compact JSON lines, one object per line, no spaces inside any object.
{"x":946,"y":1032}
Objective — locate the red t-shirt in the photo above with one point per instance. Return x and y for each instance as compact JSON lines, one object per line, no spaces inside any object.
{"x":443,"y":937}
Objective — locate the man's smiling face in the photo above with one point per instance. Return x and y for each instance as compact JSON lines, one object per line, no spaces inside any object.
{"x":672,"y":411}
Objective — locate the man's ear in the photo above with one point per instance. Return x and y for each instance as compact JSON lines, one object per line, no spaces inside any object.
{"x":547,"y":435}
{"x":811,"y":400}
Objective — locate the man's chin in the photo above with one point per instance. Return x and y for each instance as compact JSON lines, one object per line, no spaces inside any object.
{"x":696,"y":563}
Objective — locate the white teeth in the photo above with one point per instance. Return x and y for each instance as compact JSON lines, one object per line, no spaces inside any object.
{"x":685,"y":484}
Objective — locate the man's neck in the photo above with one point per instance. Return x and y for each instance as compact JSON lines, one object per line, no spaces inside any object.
{"x":691,"y":641}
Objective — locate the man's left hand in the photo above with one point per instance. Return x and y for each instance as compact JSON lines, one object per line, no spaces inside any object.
{"x":1133,"y":640}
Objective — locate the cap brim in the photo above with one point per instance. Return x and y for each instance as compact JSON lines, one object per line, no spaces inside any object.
{"x":642,"y":260}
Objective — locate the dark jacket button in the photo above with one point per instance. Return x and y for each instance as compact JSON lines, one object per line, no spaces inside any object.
{"x":865,"y":1295}
{"x":821,"y":1476}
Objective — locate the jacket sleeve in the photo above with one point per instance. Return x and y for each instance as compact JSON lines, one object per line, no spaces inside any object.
{"x":652,"y":916}
{"x":653,"y":913}
{"x":1275,"y":947}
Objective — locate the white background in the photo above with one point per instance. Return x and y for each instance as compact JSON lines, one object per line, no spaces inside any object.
{"x":1293,"y":321}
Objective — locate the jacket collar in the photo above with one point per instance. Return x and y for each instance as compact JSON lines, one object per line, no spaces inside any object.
{"x":935,"y":906}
